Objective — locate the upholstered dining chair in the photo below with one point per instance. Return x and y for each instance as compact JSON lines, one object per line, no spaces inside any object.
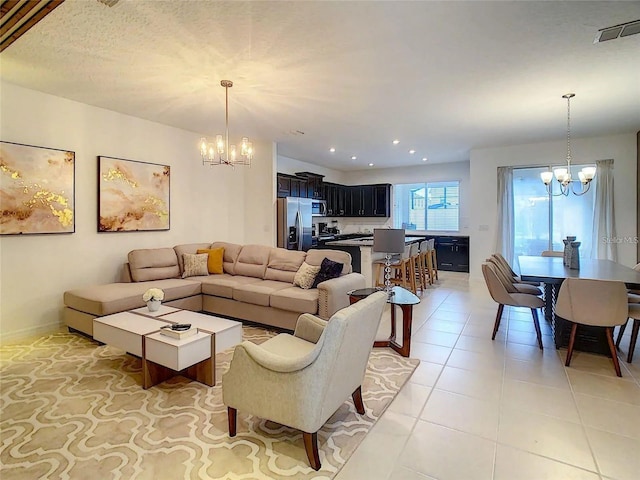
{"x":506,"y":267}
{"x":633,"y":296}
{"x":502,"y":296}
{"x":634,"y":315}
{"x":300,"y":380}
{"x":599,"y":303}
{"x":510,"y":282}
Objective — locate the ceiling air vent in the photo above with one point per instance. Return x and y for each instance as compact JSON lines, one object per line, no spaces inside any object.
{"x":618,"y":31}
{"x":109,"y":3}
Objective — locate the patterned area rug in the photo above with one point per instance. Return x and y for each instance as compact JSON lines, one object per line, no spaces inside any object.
{"x":73,"y":409}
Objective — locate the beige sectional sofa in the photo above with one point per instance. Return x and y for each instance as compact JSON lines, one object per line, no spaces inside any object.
{"x":257,"y":285}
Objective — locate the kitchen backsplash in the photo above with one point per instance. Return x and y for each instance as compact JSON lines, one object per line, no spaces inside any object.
{"x":355,"y":225}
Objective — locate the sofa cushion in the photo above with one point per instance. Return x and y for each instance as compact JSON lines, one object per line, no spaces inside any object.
{"x":117,"y":297}
{"x":283,"y":264}
{"x":231,"y":252}
{"x":187,"y":248}
{"x":258,"y":293}
{"x":195,"y":264}
{"x":295,"y":299}
{"x":214,"y":259}
{"x":315,"y":257}
{"x":223,"y":285}
{"x":252,"y":261}
{"x":153,"y":264}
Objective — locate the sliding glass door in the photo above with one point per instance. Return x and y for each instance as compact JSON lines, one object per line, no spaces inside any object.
{"x":542,"y":220}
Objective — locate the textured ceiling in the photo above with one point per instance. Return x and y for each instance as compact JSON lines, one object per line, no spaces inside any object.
{"x":442,"y":77}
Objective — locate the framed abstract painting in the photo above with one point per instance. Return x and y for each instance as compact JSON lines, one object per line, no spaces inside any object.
{"x":132,"y":196}
{"x":37,"y":190}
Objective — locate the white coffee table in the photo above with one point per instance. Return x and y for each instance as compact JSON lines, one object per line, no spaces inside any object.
{"x":138,"y":332}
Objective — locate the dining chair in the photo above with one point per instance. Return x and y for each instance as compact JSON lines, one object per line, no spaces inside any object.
{"x":634,"y":314}
{"x":506,"y":267}
{"x":633,"y":295}
{"x":552,"y":253}
{"x":500,"y":293}
{"x":507,"y":279}
{"x":598,"y":303}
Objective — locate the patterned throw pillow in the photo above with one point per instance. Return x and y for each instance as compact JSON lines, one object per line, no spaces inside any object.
{"x":195,"y":264}
{"x":328,"y":270}
{"x":305,"y":275}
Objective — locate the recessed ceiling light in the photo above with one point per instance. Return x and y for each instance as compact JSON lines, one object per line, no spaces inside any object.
{"x":371,"y":164}
{"x":353,"y":157}
{"x":332,"y":150}
{"x":395,"y":142}
{"x":412,"y":151}
{"x":424,"y":159}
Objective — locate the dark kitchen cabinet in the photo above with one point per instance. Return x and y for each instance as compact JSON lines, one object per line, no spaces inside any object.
{"x":314,"y":185}
{"x":298,"y":187}
{"x":369,"y":201}
{"x":452,"y":253}
{"x":284,"y":185}
{"x":335,"y":195}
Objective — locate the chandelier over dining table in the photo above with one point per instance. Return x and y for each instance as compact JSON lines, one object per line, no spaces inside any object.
{"x":220,"y":152}
{"x":563,"y":174}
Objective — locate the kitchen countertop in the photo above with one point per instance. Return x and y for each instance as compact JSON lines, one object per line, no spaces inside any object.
{"x":364,"y":242}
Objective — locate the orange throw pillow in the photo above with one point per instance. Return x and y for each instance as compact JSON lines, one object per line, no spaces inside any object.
{"x":214,"y":262}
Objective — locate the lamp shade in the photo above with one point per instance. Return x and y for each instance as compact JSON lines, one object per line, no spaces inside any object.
{"x":388,"y":240}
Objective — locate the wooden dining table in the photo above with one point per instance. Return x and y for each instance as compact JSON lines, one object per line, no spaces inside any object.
{"x":551,"y":272}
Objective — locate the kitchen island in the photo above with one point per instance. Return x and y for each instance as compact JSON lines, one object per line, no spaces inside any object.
{"x":362,"y":254}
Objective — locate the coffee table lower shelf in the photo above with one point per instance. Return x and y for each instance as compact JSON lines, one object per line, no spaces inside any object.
{"x":164,"y":357}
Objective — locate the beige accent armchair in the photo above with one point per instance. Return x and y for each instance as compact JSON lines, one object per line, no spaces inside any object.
{"x":599,"y":303}
{"x":300,"y":380}
{"x":505,"y":294}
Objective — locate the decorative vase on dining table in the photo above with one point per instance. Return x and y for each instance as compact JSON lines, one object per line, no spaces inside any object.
{"x":567,"y":250}
{"x":575,"y":256}
{"x":153,"y":305}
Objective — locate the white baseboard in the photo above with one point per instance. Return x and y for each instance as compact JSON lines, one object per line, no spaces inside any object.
{"x":31,"y":332}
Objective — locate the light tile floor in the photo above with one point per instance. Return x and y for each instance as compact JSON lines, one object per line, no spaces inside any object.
{"x":479,"y":409}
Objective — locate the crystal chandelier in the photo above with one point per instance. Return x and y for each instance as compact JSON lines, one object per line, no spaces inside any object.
{"x":562,"y":174}
{"x":220,"y":152}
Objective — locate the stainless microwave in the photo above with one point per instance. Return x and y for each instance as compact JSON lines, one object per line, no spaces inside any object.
{"x":318,"y":208}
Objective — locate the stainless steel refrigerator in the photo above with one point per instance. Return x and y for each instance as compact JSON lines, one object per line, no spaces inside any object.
{"x":294,"y":223}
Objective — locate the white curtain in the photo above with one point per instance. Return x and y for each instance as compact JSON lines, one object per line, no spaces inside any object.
{"x":604,"y":228}
{"x":505,"y":233}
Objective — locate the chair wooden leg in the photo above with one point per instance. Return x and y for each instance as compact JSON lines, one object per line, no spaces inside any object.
{"x":634,"y":339}
{"x":612,"y":348}
{"x":620,"y":333}
{"x":497,"y":324}
{"x":434,"y":262}
{"x":232,"y":414}
{"x":572,"y":339}
{"x":357,"y":400}
{"x":536,"y":324}
{"x":311,"y":446}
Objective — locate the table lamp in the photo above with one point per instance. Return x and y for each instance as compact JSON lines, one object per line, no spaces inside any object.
{"x":388,"y":241}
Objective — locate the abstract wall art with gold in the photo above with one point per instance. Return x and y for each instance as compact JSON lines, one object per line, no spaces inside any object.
{"x":36,"y":190}
{"x":132,"y":196}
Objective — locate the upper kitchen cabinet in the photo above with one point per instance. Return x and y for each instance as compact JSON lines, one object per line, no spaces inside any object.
{"x":335,"y":195}
{"x":314,"y":185}
{"x":291,"y":186}
{"x":369,"y":200}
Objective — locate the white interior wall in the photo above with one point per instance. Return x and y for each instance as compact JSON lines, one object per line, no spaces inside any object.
{"x":291,"y":166}
{"x":484,"y":164}
{"x":207,"y":203}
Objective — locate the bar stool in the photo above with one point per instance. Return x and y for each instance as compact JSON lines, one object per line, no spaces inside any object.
{"x":416,"y":265}
{"x":425,"y":262}
{"x":434,"y":260}
{"x":402,"y":271}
